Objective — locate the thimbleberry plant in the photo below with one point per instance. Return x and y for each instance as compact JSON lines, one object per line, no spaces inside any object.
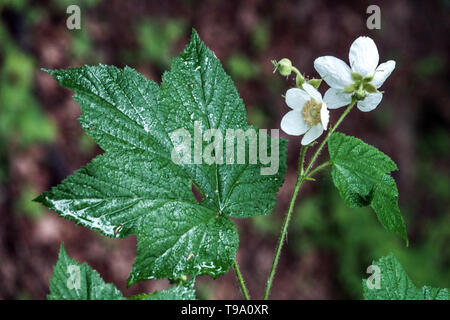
{"x":146,"y":181}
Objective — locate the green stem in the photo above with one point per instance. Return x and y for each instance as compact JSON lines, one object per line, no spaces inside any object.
{"x":302,"y":175}
{"x":241,"y":280}
{"x":298,"y":184}
{"x":330,"y":132}
{"x":297,"y":72}
{"x":302,"y":160}
{"x":320,"y":167}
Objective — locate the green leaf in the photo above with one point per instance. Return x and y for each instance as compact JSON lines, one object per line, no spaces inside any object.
{"x":198,"y":241}
{"x":357,"y":168}
{"x":136,"y":188}
{"x":385,"y":204}
{"x":361,"y":174}
{"x":74,"y":281}
{"x":396,"y":285}
{"x":179,"y":292}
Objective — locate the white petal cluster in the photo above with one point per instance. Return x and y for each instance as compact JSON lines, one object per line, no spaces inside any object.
{"x":337,"y":74}
{"x":360,"y":81}
{"x":299,"y":121}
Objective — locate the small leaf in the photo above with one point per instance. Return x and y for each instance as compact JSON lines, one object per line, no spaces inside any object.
{"x":385,"y":204}
{"x":74,"y":281}
{"x":361,"y":174}
{"x":357,"y":168}
{"x":396,"y":285}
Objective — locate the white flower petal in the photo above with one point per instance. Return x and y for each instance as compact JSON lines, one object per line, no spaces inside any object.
{"x":335,"y":98}
{"x":324,"y":115}
{"x":363,"y":56}
{"x":383,"y":71}
{"x":296,"y":98}
{"x":293,"y":123}
{"x":370,"y":102}
{"x":312,"y":134}
{"x":334,"y":71}
{"x":312,"y":92}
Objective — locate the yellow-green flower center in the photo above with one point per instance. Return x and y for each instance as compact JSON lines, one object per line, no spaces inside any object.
{"x":311,"y":112}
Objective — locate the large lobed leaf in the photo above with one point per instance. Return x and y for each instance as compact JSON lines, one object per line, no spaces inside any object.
{"x":135,"y":187}
{"x":361,"y":173}
{"x":396,"y":285}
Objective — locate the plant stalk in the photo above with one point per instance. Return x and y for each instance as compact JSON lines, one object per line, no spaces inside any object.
{"x":298,"y":184}
{"x":302,"y":175}
{"x":241,"y":280}
{"x":318,"y":168}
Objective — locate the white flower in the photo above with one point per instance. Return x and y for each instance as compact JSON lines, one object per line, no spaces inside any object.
{"x":361,"y":79}
{"x":309,"y":114}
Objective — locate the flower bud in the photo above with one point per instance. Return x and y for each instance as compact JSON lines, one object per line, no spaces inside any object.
{"x":284,"y":66}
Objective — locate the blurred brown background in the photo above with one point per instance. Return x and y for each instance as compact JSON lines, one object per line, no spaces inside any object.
{"x":329,"y":246}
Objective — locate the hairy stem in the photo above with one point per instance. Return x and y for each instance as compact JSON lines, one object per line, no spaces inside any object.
{"x":298,"y":184}
{"x":320,"y":167}
{"x":241,"y":280}
{"x":301,"y":177}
